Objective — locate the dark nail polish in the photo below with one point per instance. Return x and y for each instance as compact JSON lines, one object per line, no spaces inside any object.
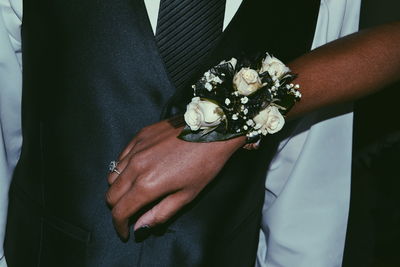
{"x":142,"y":233}
{"x":123,"y":236}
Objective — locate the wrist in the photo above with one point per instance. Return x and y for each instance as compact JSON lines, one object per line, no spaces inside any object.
{"x":245,"y":97}
{"x":230,"y":145}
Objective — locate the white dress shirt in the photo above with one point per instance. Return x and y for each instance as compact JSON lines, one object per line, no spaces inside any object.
{"x":306,"y":194}
{"x":10,"y":102}
{"x":308,"y":184}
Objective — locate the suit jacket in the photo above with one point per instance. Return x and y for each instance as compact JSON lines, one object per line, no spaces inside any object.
{"x":93,"y":77}
{"x":373,"y":228}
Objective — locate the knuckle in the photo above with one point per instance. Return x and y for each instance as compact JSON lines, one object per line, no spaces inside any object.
{"x":187,"y":197}
{"x":145,"y":154}
{"x":143,"y":132}
{"x":140,"y":157}
{"x":160,"y":217}
{"x":119,"y":185}
{"x":109,"y":198}
{"x":110,"y":179}
{"x":117,"y":214}
{"x":135,"y":163}
{"x":143,"y":187}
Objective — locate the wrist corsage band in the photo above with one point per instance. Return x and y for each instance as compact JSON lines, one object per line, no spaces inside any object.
{"x":240,"y":97}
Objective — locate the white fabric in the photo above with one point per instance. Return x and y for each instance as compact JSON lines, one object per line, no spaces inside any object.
{"x":3,"y":262}
{"x":10,"y":101}
{"x":308,"y":184}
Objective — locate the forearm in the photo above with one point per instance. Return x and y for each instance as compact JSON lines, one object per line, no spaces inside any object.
{"x":344,"y":70}
{"x":349,"y":68}
{"x":151,"y":167}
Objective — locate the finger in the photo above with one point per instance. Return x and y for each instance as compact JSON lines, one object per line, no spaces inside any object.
{"x":113,"y":176}
{"x":123,"y":182}
{"x":131,"y":203}
{"x":133,"y":147}
{"x":123,"y":160}
{"x":163,"y":211}
{"x":128,"y":148}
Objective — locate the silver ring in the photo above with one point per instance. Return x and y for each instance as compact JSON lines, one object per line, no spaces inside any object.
{"x":113,"y":167}
{"x":116,"y":171}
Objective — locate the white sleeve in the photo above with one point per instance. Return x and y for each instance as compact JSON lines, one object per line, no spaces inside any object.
{"x":10,"y":102}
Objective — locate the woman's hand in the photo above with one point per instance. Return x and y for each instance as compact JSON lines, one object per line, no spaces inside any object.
{"x":157,"y":166}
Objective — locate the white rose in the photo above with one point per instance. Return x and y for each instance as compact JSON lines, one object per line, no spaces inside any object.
{"x":202,"y":114}
{"x":269,"y":120}
{"x":247,"y":81}
{"x":233,"y":62}
{"x":274,"y":66}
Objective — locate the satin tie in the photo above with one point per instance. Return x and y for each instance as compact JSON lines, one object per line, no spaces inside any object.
{"x":187,"y":30}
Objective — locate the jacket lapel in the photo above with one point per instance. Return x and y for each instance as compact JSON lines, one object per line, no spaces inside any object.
{"x":152,"y":48}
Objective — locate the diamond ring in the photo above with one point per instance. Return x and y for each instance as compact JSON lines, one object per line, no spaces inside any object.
{"x":113,"y":167}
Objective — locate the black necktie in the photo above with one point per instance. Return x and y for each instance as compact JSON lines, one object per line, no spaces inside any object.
{"x":186,"y":31}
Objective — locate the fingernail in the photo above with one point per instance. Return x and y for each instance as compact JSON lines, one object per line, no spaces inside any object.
{"x":123,"y":236}
{"x":142,"y":233}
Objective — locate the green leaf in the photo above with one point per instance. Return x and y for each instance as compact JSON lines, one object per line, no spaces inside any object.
{"x":204,"y":137}
{"x":286,"y":101}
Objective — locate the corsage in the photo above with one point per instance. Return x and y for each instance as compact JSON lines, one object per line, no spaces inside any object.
{"x":240,"y":97}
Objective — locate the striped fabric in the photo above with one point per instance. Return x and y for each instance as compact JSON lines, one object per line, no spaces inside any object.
{"x":186,"y":31}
